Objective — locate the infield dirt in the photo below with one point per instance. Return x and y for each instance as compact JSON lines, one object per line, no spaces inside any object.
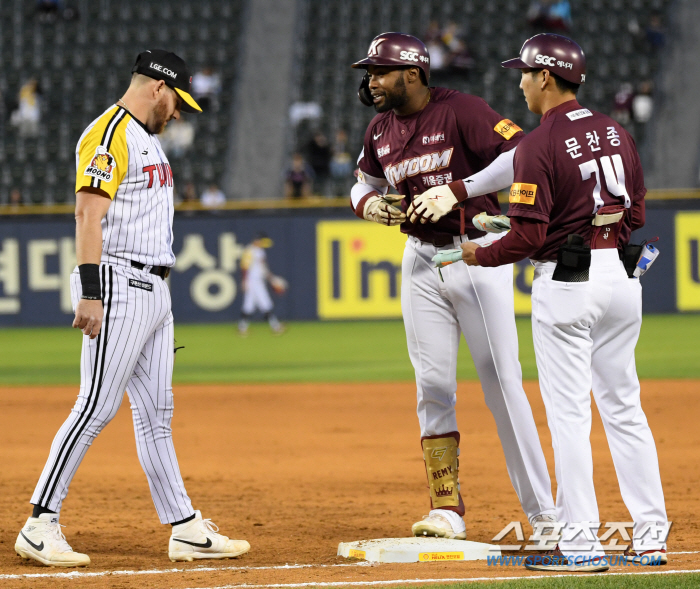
{"x":296,"y":469}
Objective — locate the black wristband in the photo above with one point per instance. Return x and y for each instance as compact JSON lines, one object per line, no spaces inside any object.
{"x":90,"y":280}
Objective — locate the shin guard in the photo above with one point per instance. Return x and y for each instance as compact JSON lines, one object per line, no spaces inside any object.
{"x":442,"y":467}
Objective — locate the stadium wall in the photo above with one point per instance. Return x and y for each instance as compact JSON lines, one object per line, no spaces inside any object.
{"x":337,"y":266}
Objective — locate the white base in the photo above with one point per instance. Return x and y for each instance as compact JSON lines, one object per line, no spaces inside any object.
{"x":418,"y":549}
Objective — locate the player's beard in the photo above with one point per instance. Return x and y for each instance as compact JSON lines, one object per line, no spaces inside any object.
{"x":159,"y":118}
{"x":397,"y":98}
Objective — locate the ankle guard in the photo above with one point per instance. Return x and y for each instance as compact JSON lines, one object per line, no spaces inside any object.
{"x":442,"y":467}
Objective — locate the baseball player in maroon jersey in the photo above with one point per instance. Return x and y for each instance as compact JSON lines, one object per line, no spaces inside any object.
{"x":577,"y":194}
{"x":421,"y":137}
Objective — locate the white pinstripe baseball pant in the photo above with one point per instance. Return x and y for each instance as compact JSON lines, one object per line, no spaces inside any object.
{"x":134,"y":351}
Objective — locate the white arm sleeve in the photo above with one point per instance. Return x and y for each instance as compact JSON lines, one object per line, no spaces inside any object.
{"x":497,"y":176}
{"x":365,"y":185}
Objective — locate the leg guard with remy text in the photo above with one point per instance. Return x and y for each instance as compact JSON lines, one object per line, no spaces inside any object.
{"x":441,"y":455}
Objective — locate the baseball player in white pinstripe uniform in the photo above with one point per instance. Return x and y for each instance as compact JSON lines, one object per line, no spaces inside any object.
{"x":124,"y":237}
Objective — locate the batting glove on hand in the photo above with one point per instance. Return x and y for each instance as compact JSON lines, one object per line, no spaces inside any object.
{"x":384,"y":210}
{"x":491,"y":223}
{"x":432,"y":205}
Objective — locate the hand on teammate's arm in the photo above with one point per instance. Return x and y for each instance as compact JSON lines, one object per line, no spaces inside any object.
{"x":525,"y":238}
{"x":90,"y":208}
{"x":498,"y":175}
{"x":436,"y":202}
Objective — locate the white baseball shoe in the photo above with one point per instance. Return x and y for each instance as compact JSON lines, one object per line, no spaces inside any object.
{"x":41,"y":539}
{"x":198,"y":539}
{"x":441,"y":523}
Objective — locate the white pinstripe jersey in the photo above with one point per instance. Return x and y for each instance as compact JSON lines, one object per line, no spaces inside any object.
{"x":119,"y":156}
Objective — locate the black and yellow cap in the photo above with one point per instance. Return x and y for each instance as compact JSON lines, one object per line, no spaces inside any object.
{"x":164,"y":65}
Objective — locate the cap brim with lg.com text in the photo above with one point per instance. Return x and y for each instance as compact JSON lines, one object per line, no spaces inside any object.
{"x":166,"y":66}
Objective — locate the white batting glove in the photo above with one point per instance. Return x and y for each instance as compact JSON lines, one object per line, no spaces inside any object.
{"x":491,"y":223}
{"x":432,"y":205}
{"x":384,"y":210}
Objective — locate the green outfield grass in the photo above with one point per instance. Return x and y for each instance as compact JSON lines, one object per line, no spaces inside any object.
{"x":595,"y":581}
{"x":318,"y":352}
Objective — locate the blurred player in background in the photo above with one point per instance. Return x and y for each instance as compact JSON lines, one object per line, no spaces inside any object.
{"x":255,"y":278}
{"x":426,"y":137}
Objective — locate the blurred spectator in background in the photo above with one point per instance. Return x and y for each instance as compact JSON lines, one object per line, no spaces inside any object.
{"x":189,"y":194}
{"x":459,"y":59}
{"x":436,"y":47}
{"x":15,"y":199}
{"x":622,"y":108}
{"x":299,"y":177}
{"x":550,"y":15}
{"x":318,"y":154}
{"x":656,"y":36}
{"x":206,"y":87}
{"x":643,"y":103}
{"x":177,"y":138}
{"x":448,"y":48}
{"x":48,"y":10}
{"x":26,"y":117}
{"x":212,"y":197}
{"x":341,"y":165}
{"x":302,"y":111}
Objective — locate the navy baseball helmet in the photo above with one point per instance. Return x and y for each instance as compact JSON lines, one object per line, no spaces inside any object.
{"x":556,"y":53}
{"x":393,"y":50}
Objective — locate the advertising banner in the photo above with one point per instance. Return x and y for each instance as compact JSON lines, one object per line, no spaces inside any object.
{"x":337,"y":266}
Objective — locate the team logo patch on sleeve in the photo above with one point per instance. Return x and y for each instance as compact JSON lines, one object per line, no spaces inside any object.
{"x":102,"y":165}
{"x":522,"y":193}
{"x":507,"y":128}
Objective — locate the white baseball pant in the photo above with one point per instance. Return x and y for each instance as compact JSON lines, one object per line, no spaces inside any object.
{"x":133,"y":352}
{"x":256,"y":296}
{"x":585,"y":334}
{"x":476,"y":302}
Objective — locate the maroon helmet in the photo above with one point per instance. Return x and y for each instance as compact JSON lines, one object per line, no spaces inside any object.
{"x":560,"y":55}
{"x":393,"y":49}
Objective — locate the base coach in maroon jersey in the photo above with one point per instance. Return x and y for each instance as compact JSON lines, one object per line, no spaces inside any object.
{"x":424,"y":137}
{"x":578,"y":193}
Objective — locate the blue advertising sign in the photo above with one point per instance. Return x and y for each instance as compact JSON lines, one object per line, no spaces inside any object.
{"x":328,"y":257}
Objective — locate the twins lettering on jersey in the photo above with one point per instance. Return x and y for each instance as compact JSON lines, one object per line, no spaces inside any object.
{"x":165,"y":174}
{"x":430,"y":162}
{"x":102,"y":165}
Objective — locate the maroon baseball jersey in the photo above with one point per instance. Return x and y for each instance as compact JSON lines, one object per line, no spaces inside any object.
{"x":574,"y":163}
{"x":453,"y":137}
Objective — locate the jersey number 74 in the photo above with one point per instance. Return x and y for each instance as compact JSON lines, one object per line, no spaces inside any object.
{"x":614,"y":173}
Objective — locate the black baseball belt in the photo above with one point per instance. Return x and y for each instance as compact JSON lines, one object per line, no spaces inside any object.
{"x":162,"y":271}
{"x":443,"y":240}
